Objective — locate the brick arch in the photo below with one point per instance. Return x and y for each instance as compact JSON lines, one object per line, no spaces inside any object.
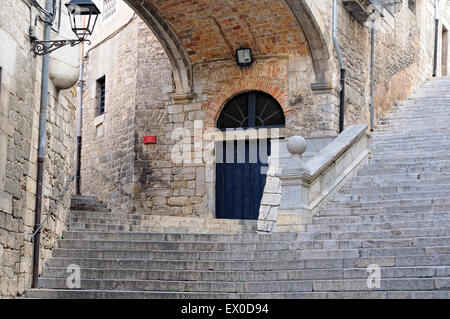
{"x":175,"y":51}
{"x":200,"y":31}
{"x":217,"y":102}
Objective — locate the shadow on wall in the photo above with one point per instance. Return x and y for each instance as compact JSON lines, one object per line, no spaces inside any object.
{"x":398,"y":88}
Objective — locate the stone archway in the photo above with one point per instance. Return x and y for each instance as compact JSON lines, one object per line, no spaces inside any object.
{"x":316,"y":40}
{"x":178,"y":57}
{"x":183,"y":28}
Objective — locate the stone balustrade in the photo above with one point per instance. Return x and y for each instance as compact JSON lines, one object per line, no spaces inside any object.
{"x":295,"y":188}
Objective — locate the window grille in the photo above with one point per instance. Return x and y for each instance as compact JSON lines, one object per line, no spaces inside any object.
{"x":392,"y":6}
{"x":109,"y":9}
{"x":252,"y":109}
{"x":101,"y":89}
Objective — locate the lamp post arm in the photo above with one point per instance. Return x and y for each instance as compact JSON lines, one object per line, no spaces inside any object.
{"x":46,"y":47}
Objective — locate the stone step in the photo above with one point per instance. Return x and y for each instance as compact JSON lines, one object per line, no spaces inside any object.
{"x":106,"y":221}
{"x":382,"y":210}
{"x":75,"y":205}
{"x":189,"y":237}
{"x":425,"y":122}
{"x":376,"y":190}
{"x":218,"y":228}
{"x":260,"y":265}
{"x":385,"y":134}
{"x":182,"y":286}
{"x":244,"y":255}
{"x":381,"y":234}
{"x":418,"y":141}
{"x":401,"y":128}
{"x":375,"y":195}
{"x":410,"y":148}
{"x":377,"y":138}
{"x":245,"y":276}
{"x":121,"y":242}
{"x":117,"y":294}
{"x":186,"y":255}
{"x":388,"y":203}
{"x":407,"y":159}
{"x":412,"y":119}
{"x":402,"y":186}
{"x":442,"y":283}
{"x":377,"y":218}
{"x":388,"y":179}
{"x":393,"y":119}
{"x":417,"y":242}
{"x":410,"y":164}
{"x":83,"y":197}
{"x":378,"y":226}
{"x":171,"y":245}
{"x":90,"y":209}
{"x":149,"y":220}
{"x":395,"y":233}
{"x":113,"y":215}
{"x":399,"y":170}
{"x":432,"y":152}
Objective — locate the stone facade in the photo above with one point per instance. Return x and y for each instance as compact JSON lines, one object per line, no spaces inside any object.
{"x":188,"y":72}
{"x":169,"y":70}
{"x":19,"y":129}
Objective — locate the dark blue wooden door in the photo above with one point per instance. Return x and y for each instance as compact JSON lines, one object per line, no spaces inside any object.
{"x":240,"y":186}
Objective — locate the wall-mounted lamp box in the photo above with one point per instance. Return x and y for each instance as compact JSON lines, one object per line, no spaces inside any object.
{"x":149,"y":139}
{"x":244,"y":57}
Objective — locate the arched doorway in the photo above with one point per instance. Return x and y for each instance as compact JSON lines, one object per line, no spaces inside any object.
{"x":241,"y":159}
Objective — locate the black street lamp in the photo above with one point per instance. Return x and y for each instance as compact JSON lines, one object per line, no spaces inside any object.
{"x":77,"y":10}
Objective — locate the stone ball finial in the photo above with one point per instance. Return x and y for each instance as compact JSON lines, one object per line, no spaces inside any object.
{"x":296,"y":145}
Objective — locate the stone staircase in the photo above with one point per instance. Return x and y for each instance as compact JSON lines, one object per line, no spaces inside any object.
{"x":88,"y":214}
{"x":394,"y":214}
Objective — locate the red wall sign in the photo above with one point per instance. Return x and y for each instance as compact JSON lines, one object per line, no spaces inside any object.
{"x":149,"y":139}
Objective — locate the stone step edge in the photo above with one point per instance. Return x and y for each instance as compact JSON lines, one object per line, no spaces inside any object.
{"x":189,"y":295}
{"x":263,"y":235}
{"x":157,"y":270}
{"x":310,"y":261}
{"x":171,"y":251}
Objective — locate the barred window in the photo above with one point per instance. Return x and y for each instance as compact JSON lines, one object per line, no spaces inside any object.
{"x":101,"y":95}
{"x":394,"y":6}
{"x":109,"y":9}
{"x":0,"y":83}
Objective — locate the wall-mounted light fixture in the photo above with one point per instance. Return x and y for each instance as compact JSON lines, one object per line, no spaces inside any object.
{"x":77,"y":10}
{"x":244,"y":57}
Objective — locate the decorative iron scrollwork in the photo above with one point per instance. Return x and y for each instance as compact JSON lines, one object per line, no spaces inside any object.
{"x":46,"y":47}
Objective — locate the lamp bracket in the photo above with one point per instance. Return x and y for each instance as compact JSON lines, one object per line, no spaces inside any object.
{"x":46,"y":47}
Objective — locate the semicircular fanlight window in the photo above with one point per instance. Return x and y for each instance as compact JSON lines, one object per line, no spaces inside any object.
{"x":251,"y":110}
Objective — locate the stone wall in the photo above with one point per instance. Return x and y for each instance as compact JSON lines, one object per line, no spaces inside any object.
{"x":108,"y":152}
{"x":19,"y":126}
{"x":143,"y":105}
{"x":404,"y":45}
